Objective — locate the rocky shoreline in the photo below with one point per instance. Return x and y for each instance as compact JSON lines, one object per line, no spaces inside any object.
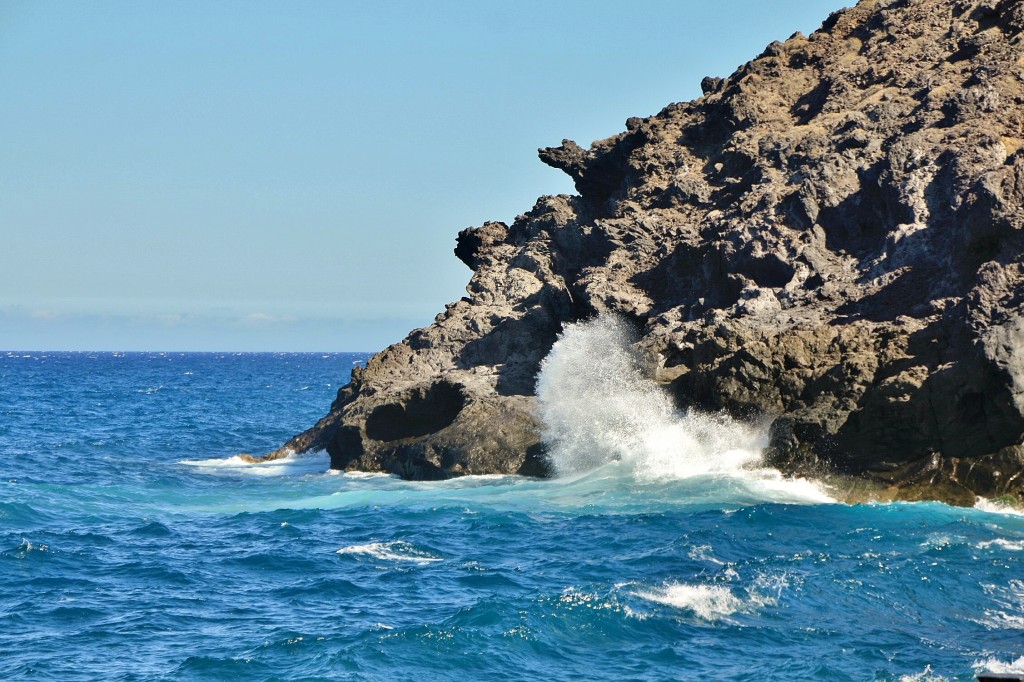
{"x":830,"y":239}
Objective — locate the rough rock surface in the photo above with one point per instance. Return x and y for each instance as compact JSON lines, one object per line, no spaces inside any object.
{"x":831,"y":238}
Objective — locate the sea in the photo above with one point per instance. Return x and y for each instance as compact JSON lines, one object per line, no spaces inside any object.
{"x":136,"y":545}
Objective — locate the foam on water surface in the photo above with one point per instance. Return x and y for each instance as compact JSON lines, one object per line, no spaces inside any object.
{"x":1003,"y":543}
{"x":995,"y":507}
{"x":996,"y":665}
{"x":290,"y":465}
{"x":396,"y":551}
{"x":597,"y":408}
{"x":709,"y":602}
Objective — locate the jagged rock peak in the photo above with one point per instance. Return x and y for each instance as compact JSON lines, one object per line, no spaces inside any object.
{"x":829,"y":239}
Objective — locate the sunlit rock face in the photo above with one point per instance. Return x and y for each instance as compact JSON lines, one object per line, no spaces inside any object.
{"x":828,"y":240}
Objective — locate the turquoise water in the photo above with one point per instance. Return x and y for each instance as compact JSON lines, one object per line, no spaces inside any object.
{"x":133,"y":547}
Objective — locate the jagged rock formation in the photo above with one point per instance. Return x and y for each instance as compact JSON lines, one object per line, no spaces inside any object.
{"x":830,"y":238}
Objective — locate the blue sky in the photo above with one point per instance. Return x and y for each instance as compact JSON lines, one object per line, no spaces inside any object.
{"x":292,"y":175}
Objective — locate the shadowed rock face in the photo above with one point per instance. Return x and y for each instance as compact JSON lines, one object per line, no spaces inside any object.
{"x":830,"y":238}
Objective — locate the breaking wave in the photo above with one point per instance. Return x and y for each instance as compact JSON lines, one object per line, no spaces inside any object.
{"x":598,"y":409}
{"x":1000,"y":667}
{"x":398,"y":551}
{"x":291,"y":465}
{"x":708,"y":602}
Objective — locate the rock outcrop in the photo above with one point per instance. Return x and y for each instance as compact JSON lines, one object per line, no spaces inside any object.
{"x":831,"y":238}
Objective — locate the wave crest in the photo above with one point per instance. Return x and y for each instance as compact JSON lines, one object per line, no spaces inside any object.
{"x":597,"y":407}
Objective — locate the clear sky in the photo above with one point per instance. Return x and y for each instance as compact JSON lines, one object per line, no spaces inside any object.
{"x":292,"y":175}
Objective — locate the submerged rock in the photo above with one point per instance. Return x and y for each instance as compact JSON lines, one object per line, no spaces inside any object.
{"x":829,"y":239}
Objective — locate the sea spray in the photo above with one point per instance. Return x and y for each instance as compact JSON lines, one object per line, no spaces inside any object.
{"x":598,"y":407}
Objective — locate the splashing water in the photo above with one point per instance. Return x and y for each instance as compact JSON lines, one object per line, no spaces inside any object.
{"x":708,"y":602}
{"x":597,"y":407}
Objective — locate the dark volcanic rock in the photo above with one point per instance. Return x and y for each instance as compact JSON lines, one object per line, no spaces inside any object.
{"x":830,"y":238}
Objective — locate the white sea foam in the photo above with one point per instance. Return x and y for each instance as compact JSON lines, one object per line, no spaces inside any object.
{"x":391,"y":551}
{"x":704,"y":553}
{"x":708,"y":602}
{"x":996,"y":508}
{"x":1000,"y":620}
{"x":597,"y":407}
{"x":1002,"y":543}
{"x":361,"y":475}
{"x":290,"y":465}
{"x":1009,"y":599}
{"x":994,"y":665}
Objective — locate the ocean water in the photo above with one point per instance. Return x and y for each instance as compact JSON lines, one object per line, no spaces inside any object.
{"x":134,"y":546}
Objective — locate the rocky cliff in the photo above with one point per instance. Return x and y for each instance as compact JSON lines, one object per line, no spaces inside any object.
{"x":831,"y":238}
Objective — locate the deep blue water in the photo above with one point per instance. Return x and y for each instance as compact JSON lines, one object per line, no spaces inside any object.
{"x":132,"y":547}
